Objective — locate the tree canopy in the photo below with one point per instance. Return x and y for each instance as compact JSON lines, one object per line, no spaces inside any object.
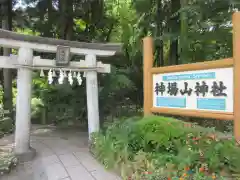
{"x":184,"y":31}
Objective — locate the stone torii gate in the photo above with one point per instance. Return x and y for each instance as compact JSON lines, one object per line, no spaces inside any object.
{"x":25,"y":62}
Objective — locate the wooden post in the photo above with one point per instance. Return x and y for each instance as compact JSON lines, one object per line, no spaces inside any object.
{"x":236,"y":59}
{"x":147,"y":75}
{"x":92,"y":95}
{"x":23,"y":107}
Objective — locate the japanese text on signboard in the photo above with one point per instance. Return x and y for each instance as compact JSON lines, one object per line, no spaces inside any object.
{"x":200,"y":88}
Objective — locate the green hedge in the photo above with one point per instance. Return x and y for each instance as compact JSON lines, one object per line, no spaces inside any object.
{"x":6,"y":126}
{"x":157,"y":147}
{"x":7,"y":162}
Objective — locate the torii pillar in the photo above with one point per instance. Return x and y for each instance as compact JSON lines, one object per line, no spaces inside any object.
{"x":23,"y":106}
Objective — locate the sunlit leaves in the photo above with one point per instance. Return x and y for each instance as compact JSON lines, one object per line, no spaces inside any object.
{"x":80,"y":24}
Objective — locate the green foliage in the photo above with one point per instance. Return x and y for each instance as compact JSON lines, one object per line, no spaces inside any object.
{"x":203,"y":31}
{"x":7,"y":162}
{"x":164,"y":147}
{"x":206,"y":31}
{"x":37,"y":106}
{"x":6,"y":125}
{"x":14,"y":90}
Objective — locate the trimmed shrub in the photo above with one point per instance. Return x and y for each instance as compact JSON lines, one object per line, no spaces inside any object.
{"x":158,"y":146}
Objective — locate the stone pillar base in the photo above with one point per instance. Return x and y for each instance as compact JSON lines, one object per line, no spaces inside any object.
{"x":26,"y":156}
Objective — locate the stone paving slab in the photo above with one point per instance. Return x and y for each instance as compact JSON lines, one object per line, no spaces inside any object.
{"x":79,"y":172}
{"x":60,"y":158}
{"x":69,"y":160}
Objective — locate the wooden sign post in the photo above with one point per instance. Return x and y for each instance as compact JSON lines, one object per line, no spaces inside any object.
{"x":236,"y":59}
{"x":208,"y":89}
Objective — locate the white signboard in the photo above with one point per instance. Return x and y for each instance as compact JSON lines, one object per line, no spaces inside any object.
{"x":210,"y":90}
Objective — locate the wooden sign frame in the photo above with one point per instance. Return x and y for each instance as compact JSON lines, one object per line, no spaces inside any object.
{"x":234,"y":62}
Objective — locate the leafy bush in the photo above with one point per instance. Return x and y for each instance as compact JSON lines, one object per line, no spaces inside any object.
{"x":36,"y":105}
{"x":7,"y":162}
{"x":165,"y":147}
{"x":6,"y":125}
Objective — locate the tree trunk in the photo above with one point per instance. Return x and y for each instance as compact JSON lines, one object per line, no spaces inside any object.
{"x":66,"y":11}
{"x":61,"y":24}
{"x":7,"y":73}
{"x":159,"y":32}
{"x":184,"y":34}
{"x":174,"y":29}
{"x":69,"y":18}
{"x":50,"y":18}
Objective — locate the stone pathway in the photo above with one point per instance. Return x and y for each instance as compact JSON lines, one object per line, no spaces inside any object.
{"x":62,"y":155}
